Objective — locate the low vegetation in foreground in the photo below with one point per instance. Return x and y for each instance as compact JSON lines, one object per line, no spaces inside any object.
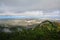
{"x":46,"y":30}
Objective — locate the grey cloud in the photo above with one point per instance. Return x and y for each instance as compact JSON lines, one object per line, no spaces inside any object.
{"x":31,"y":4}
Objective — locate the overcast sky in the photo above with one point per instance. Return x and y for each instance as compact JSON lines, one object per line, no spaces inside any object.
{"x":30,"y":4}
{"x":30,"y":7}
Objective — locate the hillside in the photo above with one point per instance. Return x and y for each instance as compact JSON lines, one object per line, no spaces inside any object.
{"x":46,"y":30}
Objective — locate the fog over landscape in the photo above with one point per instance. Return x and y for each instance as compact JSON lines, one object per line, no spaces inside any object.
{"x":26,"y":12}
{"x":29,"y":19}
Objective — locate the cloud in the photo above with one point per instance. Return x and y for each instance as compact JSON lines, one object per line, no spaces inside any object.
{"x":30,"y":8}
{"x":24,"y":5}
{"x":27,"y":13}
{"x":32,"y":13}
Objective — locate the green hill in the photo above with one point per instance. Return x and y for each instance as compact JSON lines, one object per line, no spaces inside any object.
{"x":47,"y":24}
{"x":46,"y":30}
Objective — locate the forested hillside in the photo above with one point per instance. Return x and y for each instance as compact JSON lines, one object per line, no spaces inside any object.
{"x":46,"y":30}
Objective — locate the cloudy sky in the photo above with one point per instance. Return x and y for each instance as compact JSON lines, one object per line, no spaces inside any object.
{"x":42,"y":8}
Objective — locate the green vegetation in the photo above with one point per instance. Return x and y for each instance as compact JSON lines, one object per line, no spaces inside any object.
{"x":44,"y":31}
